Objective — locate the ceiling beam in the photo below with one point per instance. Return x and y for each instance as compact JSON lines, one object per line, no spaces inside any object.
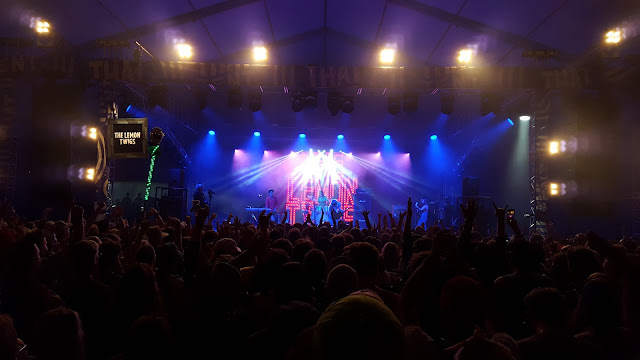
{"x":470,"y":24}
{"x":182,"y":19}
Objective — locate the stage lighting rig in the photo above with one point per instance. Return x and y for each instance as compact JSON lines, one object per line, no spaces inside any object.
{"x":259,"y":54}
{"x":446,"y":104}
{"x":348,"y":104}
{"x":393,"y":104}
{"x":614,"y":36}
{"x":255,"y":100}
{"x":465,"y":56}
{"x":185,"y":51}
{"x":42,"y":26}
{"x":387,"y":56}
{"x":334,"y":102}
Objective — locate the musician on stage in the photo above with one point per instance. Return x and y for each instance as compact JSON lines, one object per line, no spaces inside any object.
{"x":423,"y":210}
{"x":271,"y":203}
{"x":199,"y":195}
{"x":335,"y":209}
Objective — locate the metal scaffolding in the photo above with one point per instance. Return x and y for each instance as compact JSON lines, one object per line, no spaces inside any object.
{"x":538,"y":139}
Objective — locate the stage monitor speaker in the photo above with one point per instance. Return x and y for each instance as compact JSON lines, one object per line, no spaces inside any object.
{"x":397,"y":209}
{"x":470,"y":187}
{"x":361,"y":202}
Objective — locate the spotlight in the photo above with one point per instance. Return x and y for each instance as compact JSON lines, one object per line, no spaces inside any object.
{"x":293,"y":154}
{"x":255,"y":101}
{"x":347,"y":104}
{"x":614,"y":36}
{"x":42,"y":27}
{"x":489,"y":103}
{"x":296,"y":103}
{"x":465,"y":56}
{"x":387,"y":56}
{"x":89,"y":174}
{"x":446,"y":104}
{"x":525,"y":117}
{"x":556,"y":189}
{"x":393,"y":104}
{"x":387,"y":137}
{"x":93,"y":133}
{"x":256,"y":133}
{"x":350,"y":154}
{"x":184,"y":50}
{"x":310,"y":98}
{"x":340,"y":137}
{"x":510,"y":122}
{"x":259,"y":53}
{"x":410,"y":102}
{"x":434,"y":137}
{"x":211,"y":132}
{"x":302,"y":136}
{"x":556,"y":147}
{"x":333,"y":103}
{"x":128,"y":108}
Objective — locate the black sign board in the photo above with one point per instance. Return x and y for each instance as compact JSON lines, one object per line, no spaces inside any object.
{"x":127,"y":138}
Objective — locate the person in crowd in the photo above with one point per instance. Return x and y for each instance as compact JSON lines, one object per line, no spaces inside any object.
{"x":190,"y":289}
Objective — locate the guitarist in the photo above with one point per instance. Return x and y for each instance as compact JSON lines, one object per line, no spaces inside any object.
{"x":335,"y":209}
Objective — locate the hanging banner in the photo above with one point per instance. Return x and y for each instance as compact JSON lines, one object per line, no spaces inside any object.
{"x":295,"y":76}
{"x":127,"y":138}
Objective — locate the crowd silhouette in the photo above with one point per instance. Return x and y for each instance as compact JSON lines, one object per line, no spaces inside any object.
{"x":102,"y":287}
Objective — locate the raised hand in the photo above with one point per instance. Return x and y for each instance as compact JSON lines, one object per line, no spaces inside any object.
{"x":365,"y":213}
{"x":500,"y":212}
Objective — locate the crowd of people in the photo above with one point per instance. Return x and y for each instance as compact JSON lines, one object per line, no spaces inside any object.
{"x":99,"y":287}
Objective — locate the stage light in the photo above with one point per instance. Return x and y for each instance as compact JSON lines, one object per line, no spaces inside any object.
{"x":302,"y":136}
{"x":347,"y":104}
{"x":393,"y":104}
{"x":446,"y":104}
{"x":556,"y":147}
{"x":211,"y":132}
{"x":510,"y":122}
{"x":259,"y":53}
{"x":340,"y":137}
{"x":128,"y":108}
{"x":465,"y":56}
{"x":89,"y":174}
{"x":255,"y":100}
{"x":556,"y":189}
{"x":41,"y":26}
{"x":490,"y":102}
{"x":184,"y":50}
{"x":333,"y":103}
{"x":387,"y":137}
{"x":93,"y":133}
{"x":256,"y":133}
{"x":525,"y":117}
{"x":434,"y":137}
{"x":387,"y":56}
{"x":293,"y":154}
{"x":614,"y":36}
{"x":296,"y":103}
